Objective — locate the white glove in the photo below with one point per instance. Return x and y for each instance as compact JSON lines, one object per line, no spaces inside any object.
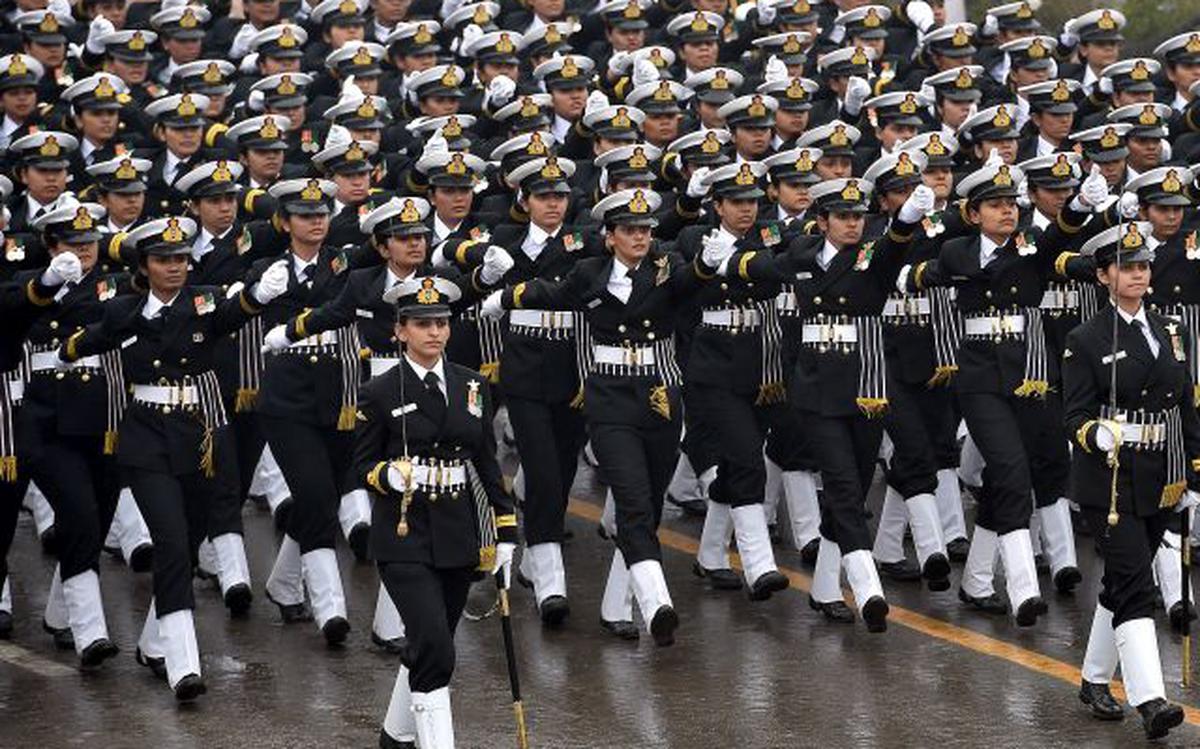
{"x":62,"y":8}
{"x":1094,"y":190}
{"x":504,"y":560}
{"x":837,"y":34}
{"x":857,"y":91}
{"x":766,"y":12}
{"x":644,"y":72}
{"x":469,"y":34}
{"x":919,"y":204}
{"x":496,"y":262}
{"x":64,"y":268}
{"x":695,"y":186}
{"x":775,"y":70}
{"x":902,"y":279}
{"x":1023,"y":194}
{"x":927,"y":93}
{"x":1104,"y":85}
{"x":921,"y":15}
{"x":449,"y":6}
{"x":240,"y":46}
{"x":618,"y":63}
{"x":1068,"y":38}
{"x":491,"y":308}
{"x":715,"y":251}
{"x":1128,"y":206}
{"x":595,"y":102}
{"x":256,"y":101}
{"x":994,"y":159}
{"x":276,"y":340}
{"x":1106,"y":435}
{"x":436,"y":142}
{"x":991,"y":26}
{"x":1190,"y":499}
{"x":499,"y":92}
{"x":274,"y":282}
{"x":99,"y":27}
{"x":1167,"y":154}
{"x":249,"y":63}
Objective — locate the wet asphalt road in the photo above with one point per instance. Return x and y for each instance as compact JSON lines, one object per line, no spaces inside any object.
{"x":771,"y":674}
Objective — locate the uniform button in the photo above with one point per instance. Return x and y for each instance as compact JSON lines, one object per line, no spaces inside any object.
{"x":841,"y":300}
{"x":724,"y":286}
{"x":988,"y":293}
{"x":650,"y":335}
{"x":620,"y":328}
{"x":156,"y":363}
{"x":749,"y":284}
{"x":314,"y":359}
{"x":54,"y":324}
{"x":816,"y":300}
{"x":645,"y":323}
{"x":556,"y":278}
{"x":85,"y":377}
{"x":1177,"y":289}
{"x":1143,"y":393}
{"x":53,"y":341}
{"x":1012,"y":289}
{"x":59,"y":375}
{"x":183,"y":360}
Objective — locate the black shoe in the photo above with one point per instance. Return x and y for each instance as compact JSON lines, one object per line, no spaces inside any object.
{"x":63,"y":639}
{"x":387,"y":742}
{"x":767,"y":584}
{"x":189,"y":688}
{"x":721,"y":579}
{"x":283,"y":511}
{"x":834,"y":611}
{"x":1041,"y":564}
{"x":158,"y":666}
{"x":360,"y":536}
{"x":394,"y":646}
{"x":1029,"y":611}
{"x":1066,"y":579}
{"x":624,"y":630}
{"x":992,"y":604}
{"x":292,"y":613}
{"x":49,"y":541}
{"x":6,"y":625}
{"x":904,"y":571}
{"x":335,"y":630}
{"x":1100,"y":701}
{"x":808,"y":554}
{"x":98,"y":652}
{"x":141,"y":559}
{"x":958,"y":549}
{"x":554,"y":610}
{"x":238,"y":598}
{"x":874,"y":613}
{"x":1177,"y":616}
{"x":1159,"y":717}
{"x":663,"y":626}
{"x":697,"y":508}
{"x":936,"y":572}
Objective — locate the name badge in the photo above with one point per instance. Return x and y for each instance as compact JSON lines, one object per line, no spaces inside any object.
{"x":1108,"y":358}
{"x":128,"y":342}
{"x":595,"y":303}
{"x":366,"y":313}
{"x":407,"y":408}
{"x":804,"y":275}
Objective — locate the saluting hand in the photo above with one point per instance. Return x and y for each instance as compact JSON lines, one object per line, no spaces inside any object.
{"x":918,"y":205}
{"x":491,"y":308}
{"x":64,"y":268}
{"x":1094,"y":190}
{"x":273,"y":283}
{"x":496,"y":262}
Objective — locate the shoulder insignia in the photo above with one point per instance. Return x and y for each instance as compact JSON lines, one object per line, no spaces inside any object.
{"x":204,"y":303}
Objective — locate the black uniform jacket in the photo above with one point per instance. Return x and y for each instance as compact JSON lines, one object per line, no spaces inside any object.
{"x":443,"y":528}
{"x":1145,"y":382}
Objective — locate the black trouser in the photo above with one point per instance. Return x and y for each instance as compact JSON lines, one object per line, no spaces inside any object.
{"x":1128,"y":548}
{"x":81,"y":484}
{"x":430,"y":602}
{"x":549,"y":437}
{"x":636,"y":462}
{"x":12,"y":494}
{"x":849,"y":446}
{"x":314,"y":461}
{"x":789,"y":443}
{"x":735,"y":427}
{"x":249,"y":441}
{"x":1024,"y":450}
{"x":912,"y":469}
{"x":176,"y":512}
{"x":225,"y":507}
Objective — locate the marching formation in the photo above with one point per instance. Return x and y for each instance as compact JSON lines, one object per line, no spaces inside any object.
{"x":324,"y":256}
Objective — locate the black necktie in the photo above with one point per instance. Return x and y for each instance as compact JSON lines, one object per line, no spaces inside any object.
{"x":307,"y":275}
{"x":436,"y":399}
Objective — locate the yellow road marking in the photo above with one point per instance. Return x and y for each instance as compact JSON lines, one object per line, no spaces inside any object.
{"x":926,"y":625}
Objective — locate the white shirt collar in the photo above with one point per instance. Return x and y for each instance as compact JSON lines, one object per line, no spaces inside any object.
{"x":172,"y":166}
{"x":784,"y":216}
{"x":726,"y":236}
{"x":826,"y":255}
{"x":560,"y":128}
{"x":439,"y":369}
{"x":153,"y":305}
{"x":1040,"y":220}
{"x":33,"y":205}
{"x":1140,"y":316}
{"x":987,"y":249}
{"x":1045,"y":147}
{"x":299,"y":264}
{"x":1089,"y":78}
{"x":392,"y":279}
{"x":440,"y":229}
{"x":203,"y":244}
{"x":9,"y":125}
{"x":540,"y":236}
{"x":1180,"y":102}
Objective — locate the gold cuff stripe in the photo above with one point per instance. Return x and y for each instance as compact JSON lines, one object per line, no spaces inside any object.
{"x":374,"y":477}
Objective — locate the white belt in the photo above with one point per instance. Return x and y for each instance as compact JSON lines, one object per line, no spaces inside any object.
{"x":993,"y":326}
{"x":631,"y":356}
{"x":16,"y":390}
{"x":909,"y":306}
{"x":1143,"y":434}
{"x":47,"y":360}
{"x":818,"y":333}
{"x":737,"y":317}
{"x":328,"y":338}
{"x":1060,"y":299}
{"x":437,"y":477}
{"x":383,"y":364}
{"x":540,"y":318}
{"x":786,"y":301}
{"x":167,"y":395}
